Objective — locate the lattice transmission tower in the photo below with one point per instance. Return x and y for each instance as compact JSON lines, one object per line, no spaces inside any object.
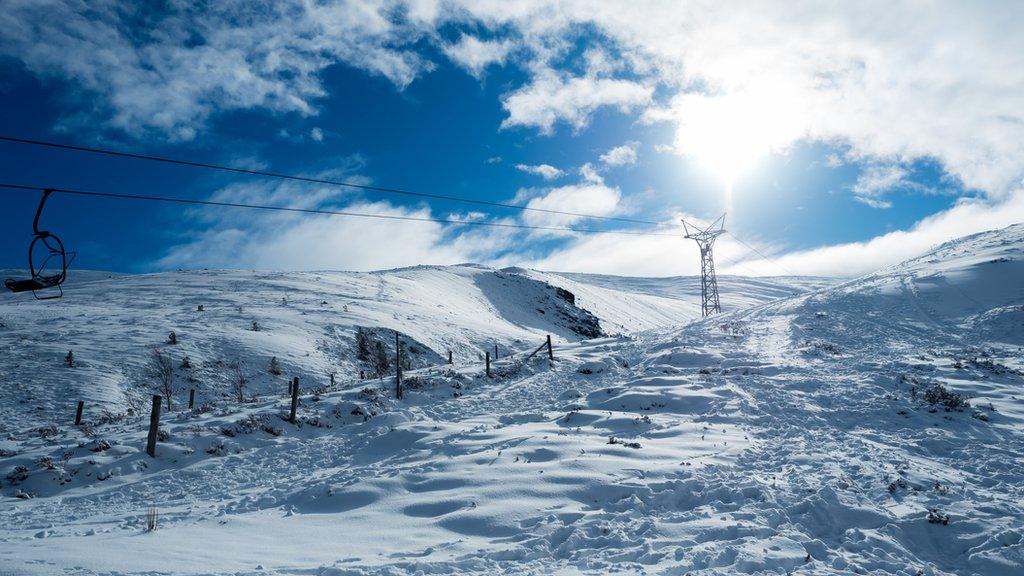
{"x":705,"y":239}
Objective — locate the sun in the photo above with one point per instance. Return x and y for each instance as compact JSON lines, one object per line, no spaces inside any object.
{"x":727,"y":135}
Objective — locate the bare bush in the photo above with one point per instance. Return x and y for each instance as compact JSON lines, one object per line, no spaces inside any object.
{"x":275,"y":366}
{"x":163,"y":372}
{"x":238,"y":379}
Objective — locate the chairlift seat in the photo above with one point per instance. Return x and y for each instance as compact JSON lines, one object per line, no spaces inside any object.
{"x":55,"y":251}
{"x":33,"y":284}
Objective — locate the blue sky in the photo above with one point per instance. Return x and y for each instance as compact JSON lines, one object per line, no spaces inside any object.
{"x":827,"y":177}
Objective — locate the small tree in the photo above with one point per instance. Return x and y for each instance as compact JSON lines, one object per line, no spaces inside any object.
{"x":186,"y":363}
{"x":255,"y":326}
{"x":380,"y":359}
{"x":362,"y":346}
{"x":69,"y":360}
{"x":163,"y":372}
{"x":275,"y":366}
{"x":238,"y":379}
{"x":172,"y":338}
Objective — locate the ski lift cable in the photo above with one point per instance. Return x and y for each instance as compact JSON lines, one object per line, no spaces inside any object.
{"x":312,"y":180}
{"x":154,"y":198}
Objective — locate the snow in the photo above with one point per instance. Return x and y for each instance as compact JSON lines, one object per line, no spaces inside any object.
{"x":789,"y":435}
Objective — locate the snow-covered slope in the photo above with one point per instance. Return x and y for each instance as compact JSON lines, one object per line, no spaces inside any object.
{"x":308,"y":320}
{"x":627,"y":304}
{"x":820,"y":434}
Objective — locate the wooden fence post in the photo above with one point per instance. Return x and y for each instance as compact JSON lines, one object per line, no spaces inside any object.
{"x":154,"y":425}
{"x":78,"y":413}
{"x":449,"y":356}
{"x":332,"y":378}
{"x":398,"y":368}
{"x":191,"y":398}
{"x":488,"y":360}
{"x":551,"y":354}
{"x":295,"y":399}
{"x":495,"y":352}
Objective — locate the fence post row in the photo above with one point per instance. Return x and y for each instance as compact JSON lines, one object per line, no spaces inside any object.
{"x":295,"y":399}
{"x":154,"y":425}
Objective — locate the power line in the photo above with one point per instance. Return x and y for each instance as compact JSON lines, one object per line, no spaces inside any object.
{"x":154,"y":198}
{"x":761,"y":254}
{"x":366,"y":187}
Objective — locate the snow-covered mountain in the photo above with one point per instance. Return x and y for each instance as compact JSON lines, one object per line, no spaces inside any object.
{"x":875,"y":427}
{"x":310,"y":322}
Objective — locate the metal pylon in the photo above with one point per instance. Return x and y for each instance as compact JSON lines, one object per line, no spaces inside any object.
{"x":705,"y":239}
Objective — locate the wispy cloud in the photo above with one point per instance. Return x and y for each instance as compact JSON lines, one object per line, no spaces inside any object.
{"x":545,"y":171}
{"x":167,"y":71}
{"x":475,"y":55}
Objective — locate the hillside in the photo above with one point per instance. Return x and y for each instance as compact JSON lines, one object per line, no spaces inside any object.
{"x":873,"y":427}
{"x":309,"y":321}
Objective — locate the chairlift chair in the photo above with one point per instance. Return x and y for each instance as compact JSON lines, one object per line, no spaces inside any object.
{"x":39,"y":278}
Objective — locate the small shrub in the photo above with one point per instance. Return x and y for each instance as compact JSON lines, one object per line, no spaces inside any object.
{"x":100,"y":446}
{"x":172,"y":338}
{"x":275,"y":366}
{"x":937,"y":394}
{"x":255,"y":326}
{"x":627,"y":444}
{"x":936,"y":517}
{"x":69,"y":359}
{"x":47,"y":432}
{"x":18,"y":474}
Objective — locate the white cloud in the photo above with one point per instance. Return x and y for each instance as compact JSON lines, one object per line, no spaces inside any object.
{"x":168,"y":71}
{"x":874,"y":181}
{"x":552,"y":97}
{"x":316,"y":134}
{"x":320,"y":243}
{"x":668,"y":256}
{"x":590,"y":174}
{"x":592,"y":198}
{"x":968,"y":216}
{"x":621,"y":155}
{"x":943,"y":81}
{"x":476,"y":55}
{"x":545,"y":171}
